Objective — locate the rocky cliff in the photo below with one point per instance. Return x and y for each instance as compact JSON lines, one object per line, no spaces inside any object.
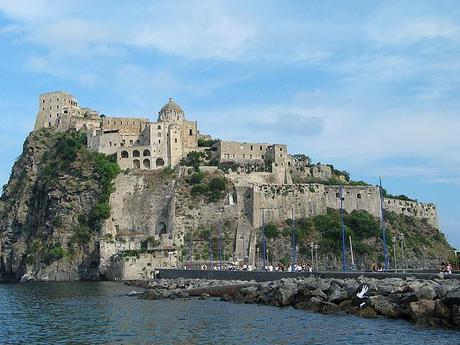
{"x":52,"y":207}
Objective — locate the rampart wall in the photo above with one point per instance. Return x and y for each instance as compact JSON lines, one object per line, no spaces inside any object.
{"x":276,"y":203}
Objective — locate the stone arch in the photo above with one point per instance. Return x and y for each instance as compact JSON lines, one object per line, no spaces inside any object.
{"x":161,"y":228}
{"x":146,"y":163}
{"x":136,"y":164}
{"x":160,"y":162}
{"x":136,"y":153}
{"x":124,"y":154}
{"x":146,"y":153}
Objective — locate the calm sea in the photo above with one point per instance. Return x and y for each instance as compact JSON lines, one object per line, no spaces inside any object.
{"x":100,"y":313}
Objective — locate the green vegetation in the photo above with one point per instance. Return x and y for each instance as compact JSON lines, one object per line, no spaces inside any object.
{"x":206,"y":142}
{"x":193,"y":159}
{"x":327,"y":230}
{"x":399,"y":197}
{"x":54,"y":253}
{"x":336,"y":172}
{"x":271,"y":231}
{"x":213,"y":188}
{"x":195,"y":178}
{"x":166,"y":172}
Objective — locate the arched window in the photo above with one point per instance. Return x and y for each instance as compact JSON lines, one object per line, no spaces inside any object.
{"x":159,"y":127}
{"x":146,"y":163}
{"x":136,"y":153}
{"x":124,"y":154}
{"x":160,"y":162}
{"x":136,"y":164}
{"x":146,"y":153}
{"x":159,"y":134}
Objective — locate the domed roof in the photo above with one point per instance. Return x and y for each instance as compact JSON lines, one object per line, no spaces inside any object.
{"x":171,"y":112}
{"x":171,"y":106}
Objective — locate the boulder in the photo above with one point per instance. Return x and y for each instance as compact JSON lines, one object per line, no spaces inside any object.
{"x":452,"y":297}
{"x":455,"y":315}
{"x":204,"y":296}
{"x":421,"y":310}
{"x":151,"y":295}
{"x":303,"y":295}
{"x":441,"y":310}
{"x":226,"y":298}
{"x":314,"y":305}
{"x":383,"y":307}
{"x":182,"y":294}
{"x":347,"y":307}
{"x":368,"y":312}
{"x":284,"y":296}
{"x":426,"y":291}
{"x":319,"y":293}
{"x":337,"y":295}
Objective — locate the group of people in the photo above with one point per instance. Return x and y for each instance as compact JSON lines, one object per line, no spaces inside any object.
{"x":377,"y":268}
{"x":446,"y":267}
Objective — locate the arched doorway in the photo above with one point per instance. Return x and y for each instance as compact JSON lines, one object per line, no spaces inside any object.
{"x":161,"y":228}
{"x":136,"y":153}
{"x":136,"y":164}
{"x":146,"y":163}
{"x":159,"y":162}
{"x":124,"y":154}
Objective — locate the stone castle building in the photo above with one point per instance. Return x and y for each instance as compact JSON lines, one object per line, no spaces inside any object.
{"x":143,"y":144}
{"x":270,"y":184}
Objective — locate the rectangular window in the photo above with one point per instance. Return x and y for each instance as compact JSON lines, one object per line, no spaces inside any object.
{"x":261,"y":148}
{"x":175,"y":140}
{"x":251,"y":147}
{"x":190,"y":132}
{"x":131,"y":142}
{"x":57,"y":106}
{"x":159,"y":141}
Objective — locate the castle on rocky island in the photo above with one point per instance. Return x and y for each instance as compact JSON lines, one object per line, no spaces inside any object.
{"x":270,"y":185}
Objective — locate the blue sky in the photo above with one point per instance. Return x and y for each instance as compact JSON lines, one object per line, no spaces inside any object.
{"x":371,"y":87}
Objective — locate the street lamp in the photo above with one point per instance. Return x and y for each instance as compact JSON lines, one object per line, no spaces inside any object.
{"x":316,"y":249}
{"x":312,"y":245}
{"x":394,"y":253}
{"x":403,"y":259}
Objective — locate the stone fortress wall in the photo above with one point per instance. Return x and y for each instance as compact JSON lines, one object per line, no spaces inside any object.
{"x":142,"y":207}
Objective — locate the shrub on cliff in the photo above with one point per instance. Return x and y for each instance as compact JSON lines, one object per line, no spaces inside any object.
{"x":271,"y":231}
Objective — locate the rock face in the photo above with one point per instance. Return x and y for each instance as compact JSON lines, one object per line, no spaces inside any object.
{"x":53,"y":195}
{"x":330,"y":296}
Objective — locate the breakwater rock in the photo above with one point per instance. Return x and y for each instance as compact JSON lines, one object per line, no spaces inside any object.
{"x":426,"y":302}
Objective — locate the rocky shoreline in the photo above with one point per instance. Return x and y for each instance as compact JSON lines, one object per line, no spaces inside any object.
{"x":425,"y":302}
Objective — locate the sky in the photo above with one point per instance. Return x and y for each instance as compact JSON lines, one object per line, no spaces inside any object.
{"x":370,"y":87}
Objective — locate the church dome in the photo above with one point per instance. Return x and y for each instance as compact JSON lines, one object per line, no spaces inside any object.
{"x":171,"y":111}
